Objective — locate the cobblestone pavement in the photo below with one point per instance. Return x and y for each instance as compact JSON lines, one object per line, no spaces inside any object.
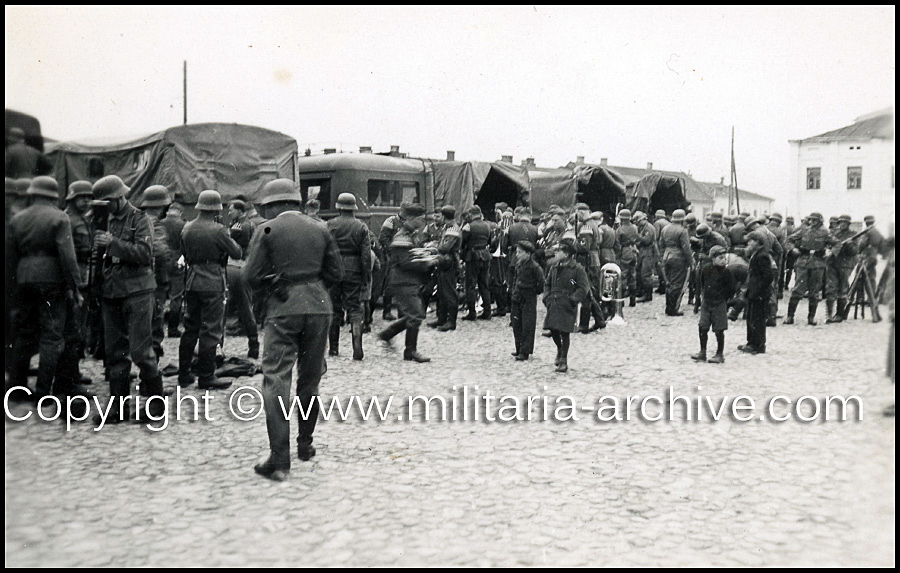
{"x":476,"y":493}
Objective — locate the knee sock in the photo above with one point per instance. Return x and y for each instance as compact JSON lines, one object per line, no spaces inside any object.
{"x":720,"y":341}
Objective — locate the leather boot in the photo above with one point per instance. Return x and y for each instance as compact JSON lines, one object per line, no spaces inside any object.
{"x":447,"y":326}
{"x":386,"y":313}
{"x":185,"y":357}
{"x":305,"y":449}
{"x":792,"y":308}
{"x":273,"y":470}
{"x":356,"y":332}
{"x":411,"y":352}
{"x":647,"y":297}
{"x":334,"y":337}
{"x":813,"y":305}
{"x":632,"y":301}
{"x":253,"y":348}
{"x":842,"y":309}
{"x":392,"y":330}
{"x":829,"y":311}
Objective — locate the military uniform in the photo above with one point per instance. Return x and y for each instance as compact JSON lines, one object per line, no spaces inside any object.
{"x":173,"y":225}
{"x":127,"y":291}
{"x":304,"y":258}
{"x":447,"y":274}
{"x":385,"y":235}
{"x":352,"y":238}
{"x":677,"y":259}
{"x":161,"y":261}
{"x":812,"y":243}
{"x":627,"y":236}
{"x":840,"y":267}
{"x":240,"y":302}
{"x":476,"y":244}
{"x":659,"y":224}
{"x":206,"y":245}
{"x":41,"y":255}
{"x":648,"y":252}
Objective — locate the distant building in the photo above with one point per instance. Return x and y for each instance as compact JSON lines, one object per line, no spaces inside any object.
{"x":846,"y":171}
{"x":752,"y":203}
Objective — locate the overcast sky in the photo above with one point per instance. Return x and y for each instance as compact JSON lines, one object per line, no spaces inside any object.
{"x":632,"y":84}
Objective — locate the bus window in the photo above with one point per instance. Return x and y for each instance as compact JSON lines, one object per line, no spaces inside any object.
{"x":383,"y":193}
{"x":316,"y":189}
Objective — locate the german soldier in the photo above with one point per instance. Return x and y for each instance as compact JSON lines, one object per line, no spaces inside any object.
{"x":812,"y":242}
{"x":476,"y":244}
{"x":648,"y":251}
{"x":352,"y":238}
{"x":206,"y":245}
{"x":44,"y":271}
{"x":127,"y":305}
{"x":677,"y":259}
{"x":410,"y":269}
{"x":627,"y":236}
{"x":447,"y":270}
{"x":174,"y":223}
{"x":659,"y":223}
{"x":292,"y":261}
{"x":240,"y":302}
{"x":843,"y":260}
{"x":154,"y":204}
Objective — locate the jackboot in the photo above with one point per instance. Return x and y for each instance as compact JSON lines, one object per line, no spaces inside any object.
{"x":253,"y":348}
{"x":392,"y":330}
{"x":632,"y":301}
{"x":151,"y":408}
{"x":305,"y":449}
{"x":811,"y":319}
{"x":829,"y":311}
{"x":647,"y":297}
{"x":386,"y":313}
{"x":185,"y":377}
{"x":334,"y":337}
{"x":792,"y":308}
{"x":411,"y":352}
{"x":356,"y":332}
{"x":447,"y":326}
{"x":842,"y":309}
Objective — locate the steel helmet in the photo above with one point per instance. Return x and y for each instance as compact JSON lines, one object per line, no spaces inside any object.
{"x":347,"y":202}
{"x":702,"y":230}
{"x":661,"y":213}
{"x":678,"y":215}
{"x":44,"y":186}
{"x":690,"y":219}
{"x":638,"y":216}
{"x":625,"y":214}
{"x":156,"y":196}
{"x":279,"y":190}
{"x":844,"y":219}
{"x":79,"y":188}
{"x":110,"y":187}
{"x":209,"y":200}
{"x":776,"y":217}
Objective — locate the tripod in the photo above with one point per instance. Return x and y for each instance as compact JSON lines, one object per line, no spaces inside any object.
{"x":862,"y":293}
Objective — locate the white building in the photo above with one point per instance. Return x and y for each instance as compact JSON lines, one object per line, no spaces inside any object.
{"x":846,"y":171}
{"x":753,"y":203}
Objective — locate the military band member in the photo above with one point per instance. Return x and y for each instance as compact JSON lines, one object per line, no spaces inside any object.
{"x":811,"y":241}
{"x":477,"y":237}
{"x":648,"y":252}
{"x":627,"y":237}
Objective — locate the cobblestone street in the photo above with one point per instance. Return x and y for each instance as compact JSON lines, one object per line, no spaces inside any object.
{"x":531,"y":493}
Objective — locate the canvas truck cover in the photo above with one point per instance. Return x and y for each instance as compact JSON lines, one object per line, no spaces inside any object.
{"x":657,"y":191}
{"x":466,"y":183}
{"x":229,"y":158}
{"x":552,"y":187}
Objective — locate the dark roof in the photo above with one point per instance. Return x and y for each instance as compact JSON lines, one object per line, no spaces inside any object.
{"x":693,"y":189}
{"x":878,"y":125}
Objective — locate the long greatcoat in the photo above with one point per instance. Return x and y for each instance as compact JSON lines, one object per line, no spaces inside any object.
{"x":565,"y":286}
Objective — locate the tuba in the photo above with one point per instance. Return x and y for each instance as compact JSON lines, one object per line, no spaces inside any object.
{"x":611,"y":290}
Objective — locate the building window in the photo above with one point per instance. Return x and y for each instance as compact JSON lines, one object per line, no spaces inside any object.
{"x":854,"y":178}
{"x":813,"y":177}
{"x":392,"y":193}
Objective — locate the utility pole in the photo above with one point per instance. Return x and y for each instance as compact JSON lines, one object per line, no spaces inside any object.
{"x":734,"y":184}
{"x":185,"y":92}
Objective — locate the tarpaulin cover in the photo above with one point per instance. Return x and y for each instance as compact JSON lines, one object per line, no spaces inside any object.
{"x":601,"y":188}
{"x":459,"y":183}
{"x":552,"y":187}
{"x":656,"y":191}
{"x":229,"y":158}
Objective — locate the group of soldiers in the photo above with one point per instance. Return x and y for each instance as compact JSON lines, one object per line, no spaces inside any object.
{"x":96,"y":278}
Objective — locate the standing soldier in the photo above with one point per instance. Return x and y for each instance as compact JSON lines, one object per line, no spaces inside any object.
{"x":774,"y":226}
{"x":43,"y":271}
{"x":648,"y":252}
{"x":388,"y":229}
{"x":127,"y":305}
{"x":295,"y":259}
{"x":527,"y":281}
{"x":352,"y":238}
{"x":870,"y":246}
{"x":476,"y":244}
{"x":718,"y":225}
{"x":737,"y":231}
{"x":77,"y":205}
{"x":206,"y":245}
{"x":153,"y":204}
{"x":659,"y":224}
{"x":843,"y":260}
{"x":499,"y":262}
{"x":677,"y":259}
{"x":174,"y":224}
{"x":790,"y":253}
{"x":239,"y":296}
{"x":627,"y":237}
{"x":409,"y":271}
{"x":447,"y":270}
{"x":811,"y":242}
{"x":312,"y":210}
{"x":607,"y":247}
